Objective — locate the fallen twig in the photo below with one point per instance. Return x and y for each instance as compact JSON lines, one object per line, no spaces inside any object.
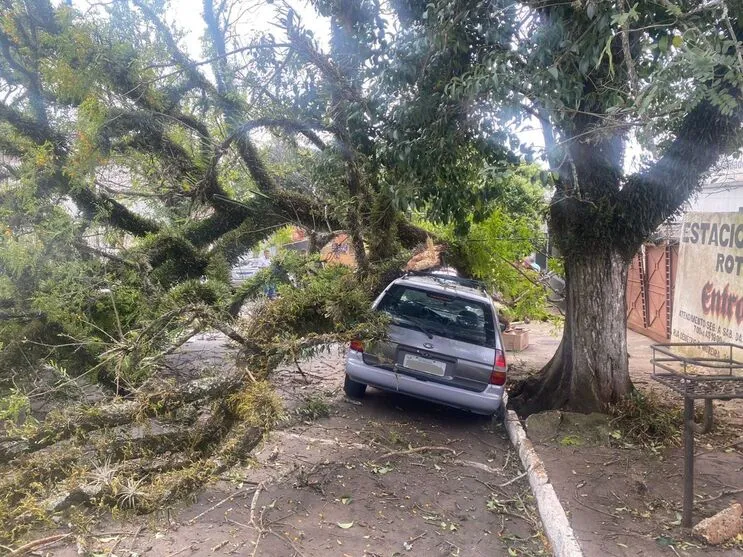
{"x":254,"y":503}
{"x":594,"y":509}
{"x":486,"y":484}
{"x":134,"y":539}
{"x":723,"y":493}
{"x":416,"y":538}
{"x":178,"y":552}
{"x":228,"y":498}
{"x":722,"y":448}
{"x":478,"y":466}
{"x":416,"y":450}
{"x":261,"y":529}
{"x":36,"y":543}
{"x":111,"y":552}
{"x":513,"y":480}
{"x":508,"y":457}
{"x":532,"y":519}
{"x":525,"y":518}
{"x":288,"y":541}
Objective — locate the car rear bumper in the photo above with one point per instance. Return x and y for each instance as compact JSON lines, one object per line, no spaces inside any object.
{"x":484,"y":402}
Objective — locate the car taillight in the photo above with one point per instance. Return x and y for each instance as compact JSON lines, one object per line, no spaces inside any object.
{"x":500,"y":358}
{"x":356,"y":345}
{"x":498,"y":376}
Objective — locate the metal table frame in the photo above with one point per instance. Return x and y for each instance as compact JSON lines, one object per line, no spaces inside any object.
{"x":691,"y":386}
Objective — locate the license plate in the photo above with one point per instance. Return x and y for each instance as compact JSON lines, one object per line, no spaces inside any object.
{"x":426,"y":365}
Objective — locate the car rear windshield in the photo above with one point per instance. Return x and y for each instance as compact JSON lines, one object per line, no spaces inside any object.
{"x":440,"y":314}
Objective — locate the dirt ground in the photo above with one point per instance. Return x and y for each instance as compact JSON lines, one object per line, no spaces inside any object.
{"x":627,"y":501}
{"x":393,"y":476}
{"x":382,"y":477}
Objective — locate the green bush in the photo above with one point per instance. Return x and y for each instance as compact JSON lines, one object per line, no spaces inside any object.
{"x":322,"y":307}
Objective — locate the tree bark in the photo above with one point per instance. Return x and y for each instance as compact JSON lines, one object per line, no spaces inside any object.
{"x":590,"y":368}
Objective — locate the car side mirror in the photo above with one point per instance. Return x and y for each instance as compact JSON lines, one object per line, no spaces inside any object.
{"x":503,"y":326}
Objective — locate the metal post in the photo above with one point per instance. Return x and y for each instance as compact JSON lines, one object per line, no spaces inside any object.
{"x":688,"y":462}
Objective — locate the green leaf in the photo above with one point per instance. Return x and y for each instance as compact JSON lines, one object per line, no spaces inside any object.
{"x":554,"y":72}
{"x":663,"y":44}
{"x":610,"y":57}
{"x":571,"y":441}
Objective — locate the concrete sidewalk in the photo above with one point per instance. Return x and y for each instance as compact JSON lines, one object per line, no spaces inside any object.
{"x":624,"y":499}
{"x":544,"y":338}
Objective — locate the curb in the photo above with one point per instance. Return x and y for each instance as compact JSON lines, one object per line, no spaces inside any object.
{"x":555,"y":521}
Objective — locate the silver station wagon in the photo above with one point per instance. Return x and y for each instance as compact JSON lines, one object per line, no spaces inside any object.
{"x":443,"y":345}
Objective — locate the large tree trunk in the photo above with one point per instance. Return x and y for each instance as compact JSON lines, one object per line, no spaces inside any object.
{"x":590,"y":368}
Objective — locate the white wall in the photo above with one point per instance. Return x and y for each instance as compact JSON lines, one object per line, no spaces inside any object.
{"x":722,"y":192}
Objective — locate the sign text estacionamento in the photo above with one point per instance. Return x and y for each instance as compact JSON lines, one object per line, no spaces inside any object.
{"x":708,"y":302}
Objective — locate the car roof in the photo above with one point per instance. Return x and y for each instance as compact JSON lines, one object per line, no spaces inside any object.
{"x":445,"y":284}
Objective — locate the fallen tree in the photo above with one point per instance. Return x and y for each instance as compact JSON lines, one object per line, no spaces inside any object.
{"x":159,"y":160}
{"x":136,"y":454}
{"x":136,"y":177}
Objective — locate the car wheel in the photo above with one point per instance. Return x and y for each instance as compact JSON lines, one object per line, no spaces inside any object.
{"x":500,"y":414}
{"x":354,"y":389}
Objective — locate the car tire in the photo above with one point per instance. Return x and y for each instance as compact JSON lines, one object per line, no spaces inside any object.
{"x":500,"y":414}
{"x":353,"y":389}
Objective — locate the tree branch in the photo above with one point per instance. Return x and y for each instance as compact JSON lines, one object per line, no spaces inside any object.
{"x":102,"y":207}
{"x":249,"y":153}
{"x":293,"y":126}
{"x":704,"y":136}
{"x":36,"y":131}
{"x":219,"y":66}
{"x":100,"y":253}
{"x":628,"y":60}
{"x":182,"y":60}
{"x":332,"y":73}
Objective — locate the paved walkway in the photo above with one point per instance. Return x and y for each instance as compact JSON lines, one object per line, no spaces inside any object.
{"x":544,"y":339}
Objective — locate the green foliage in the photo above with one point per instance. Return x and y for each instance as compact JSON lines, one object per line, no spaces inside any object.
{"x":327,"y":302}
{"x":192,"y":292}
{"x":120,"y":307}
{"x":258,"y":405}
{"x":383,"y":243}
{"x":557,"y":266}
{"x":15,"y":408}
{"x":218,"y":269}
{"x":322,"y":307}
{"x":385,"y":271}
{"x":644,"y":419}
{"x":279,"y":238}
{"x":173,"y":257}
{"x":492,"y":249}
{"x":492,"y":252}
{"x":251,"y":288}
{"x":313,"y":407}
{"x":100,"y":113}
